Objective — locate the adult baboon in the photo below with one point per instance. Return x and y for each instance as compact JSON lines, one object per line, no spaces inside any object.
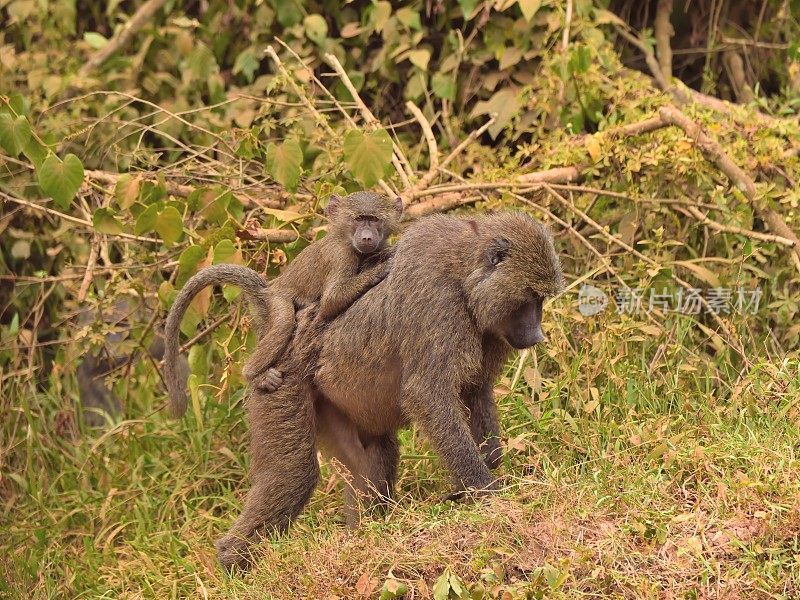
{"x":422,"y":346}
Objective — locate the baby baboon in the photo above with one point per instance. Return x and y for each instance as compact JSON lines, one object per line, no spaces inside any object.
{"x":327,"y":271}
{"x":425,"y":347}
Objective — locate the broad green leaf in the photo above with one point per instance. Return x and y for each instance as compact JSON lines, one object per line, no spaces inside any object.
{"x":35,"y":152}
{"x":169,"y":225}
{"x":187,"y":264}
{"x":213,"y":204}
{"x":368,"y":155}
{"x":146,"y":221}
{"x":284,"y":163}
{"x":15,"y":133}
{"x":443,"y":85}
{"x":246,"y":63}
{"x":61,"y":180}
{"x":467,"y":7}
{"x":505,"y":104}
{"x":381,"y":11}
{"x":441,"y":589}
{"x":126,"y":191}
{"x":316,"y":28}
{"x":95,"y":40}
{"x":529,"y":8}
{"x":420,"y":58}
{"x":409,"y":17}
{"x":104,"y":221}
{"x":224,"y":252}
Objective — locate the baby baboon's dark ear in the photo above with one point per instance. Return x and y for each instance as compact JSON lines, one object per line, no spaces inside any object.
{"x":398,"y":204}
{"x":333,"y":205}
{"x":497,"y":251}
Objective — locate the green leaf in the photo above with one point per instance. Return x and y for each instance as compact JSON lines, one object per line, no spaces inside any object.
{"x":529,"y":8}
{"x":146,"y":221}
{"x":392,"y":588}
{"x":467,"y":7}
{"x":187,"y":264}
{"x":223,"y":252}
{"x":95,"y":40}
{"x":61,"y":180}
{"x":284,"y":163}
{"x":441,"y":589}
{"x":35,"y":152}
{"x":316,"y":29}
{"x":409,"y":17}
{"x":169,"y":225}
{"x":15,"y":133}
{"x":443,"y":85}
{"x":214,"y":204}
{"x":126,"y":191}
{"x":247,"y":64}
{"x":368,"y":155}
{"x":420,"y":58}
{"x":104,"y":221}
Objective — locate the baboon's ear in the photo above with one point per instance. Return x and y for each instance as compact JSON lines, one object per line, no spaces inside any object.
{"x":473,"y":225}
{"x":398,"y":204}
{"x":333,"y":205}
{"x":497,"y":251}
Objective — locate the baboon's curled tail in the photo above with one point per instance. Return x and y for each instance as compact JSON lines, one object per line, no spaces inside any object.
{"x":253,"y":286}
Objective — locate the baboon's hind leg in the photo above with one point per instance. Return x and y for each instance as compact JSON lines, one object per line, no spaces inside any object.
{"x":371,"y":461}
{"x":284,"y":469}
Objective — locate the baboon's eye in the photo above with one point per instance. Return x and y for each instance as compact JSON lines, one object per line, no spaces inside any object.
{"x":498,"y":251}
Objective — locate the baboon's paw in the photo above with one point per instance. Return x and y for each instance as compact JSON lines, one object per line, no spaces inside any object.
{"x":233,"y":551}
{"x":268,"y":381}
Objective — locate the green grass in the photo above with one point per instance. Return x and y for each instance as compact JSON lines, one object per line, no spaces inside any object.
{"x":629,"y":472}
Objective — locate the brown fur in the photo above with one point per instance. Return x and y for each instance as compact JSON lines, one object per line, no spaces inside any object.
{"x":423,"y":346}
{"x":327,"y":272}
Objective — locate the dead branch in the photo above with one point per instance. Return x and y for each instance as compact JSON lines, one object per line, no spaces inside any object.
{"x":273,"y":236}
{"x":705,"y":220}
{"x":663,"y":30}
{"x":90,"y":264}
{"x":430,"y":139}
{"x":716,"y":155}
{"x":123,"y":36}
{"x":439,"y":204}
{"x":399,"y":160}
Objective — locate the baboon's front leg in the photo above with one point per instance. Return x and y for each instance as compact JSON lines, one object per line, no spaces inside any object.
{"x":484,"y":423}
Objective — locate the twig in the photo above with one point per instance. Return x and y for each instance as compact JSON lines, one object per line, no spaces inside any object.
{"x":705,"y":220}
{"x":274,"y":236}
{"x":203,"y":333}
{"x":556,"y":175}
{"x":439,"y":204}
{"x":732,"y":340}
{"x":124,"y":36}
{"x":426,"y":179}
{"x":90,"y":263}
{"x":663,"y":30}
{"x":299,"y":92}
{"x":399,"y":160}
{"x":716,"y":155}
{"x":433,"y":151}
{"x":72,"y":219}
